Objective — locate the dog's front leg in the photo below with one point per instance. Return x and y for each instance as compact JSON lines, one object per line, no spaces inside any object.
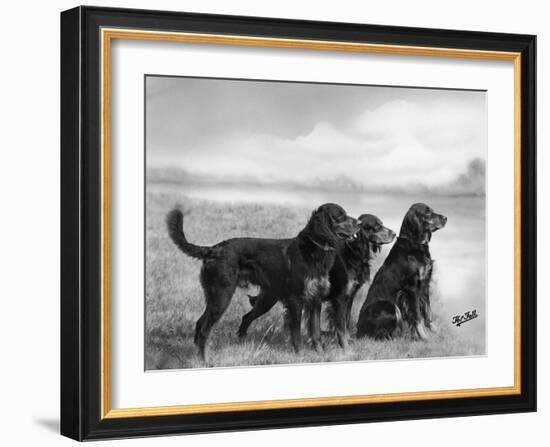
{"x":294,"y":311}
{"x":314,"y":321}
{"x":428,"y":318}
{"x":340,"y":320}
{"x":432,"y":327}
{"x":426,"y":314}
{"x":350,"y":298}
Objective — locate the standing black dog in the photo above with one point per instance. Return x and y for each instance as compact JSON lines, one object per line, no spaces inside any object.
{"x":294,"y":271}
{"x":350,"y":272}
{"x":393,"y":278}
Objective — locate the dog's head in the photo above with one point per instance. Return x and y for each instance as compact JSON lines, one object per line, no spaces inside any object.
{"x":420,"y":222}
{"x":375,"y":232}
{"x":330,"y":223}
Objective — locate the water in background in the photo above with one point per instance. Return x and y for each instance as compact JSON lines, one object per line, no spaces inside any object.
{"x":459,"y":249}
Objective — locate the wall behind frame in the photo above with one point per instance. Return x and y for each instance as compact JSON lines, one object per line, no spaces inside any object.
{"x":29,"y":227}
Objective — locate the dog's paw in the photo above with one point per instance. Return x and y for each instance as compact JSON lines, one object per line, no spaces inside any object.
{"x":317,"y":347}
{"x":421,"y":332}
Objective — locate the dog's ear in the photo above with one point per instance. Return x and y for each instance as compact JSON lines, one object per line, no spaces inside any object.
{"x":404,"y":304}
{"x":321,"y":217}
{"x":321,"y":226}
{"x":409,"y":227}
{"x":418,"y":229}
{"x":413,"y":226}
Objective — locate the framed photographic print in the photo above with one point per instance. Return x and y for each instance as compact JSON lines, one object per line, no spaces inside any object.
{"x":276,"y":223}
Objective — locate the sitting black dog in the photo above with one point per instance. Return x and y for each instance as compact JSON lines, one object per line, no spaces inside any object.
{"x":393,"y":278}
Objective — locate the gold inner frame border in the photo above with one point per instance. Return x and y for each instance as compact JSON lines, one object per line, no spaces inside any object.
{"x":107,"y":35}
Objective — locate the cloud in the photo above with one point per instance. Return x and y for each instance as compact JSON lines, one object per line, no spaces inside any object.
{"x":300,"y":133}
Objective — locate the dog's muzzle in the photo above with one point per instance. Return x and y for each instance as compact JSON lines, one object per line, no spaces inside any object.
{"x":439,"y":222}
{"x":390,"y":236}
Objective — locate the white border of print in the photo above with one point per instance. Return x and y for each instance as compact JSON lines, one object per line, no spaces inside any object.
{"x":131,"y":386}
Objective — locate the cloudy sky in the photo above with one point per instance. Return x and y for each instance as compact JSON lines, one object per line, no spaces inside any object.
{"x":280,"y":131}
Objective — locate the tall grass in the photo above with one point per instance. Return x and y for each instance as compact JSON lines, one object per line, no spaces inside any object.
{"x":174,"y":298}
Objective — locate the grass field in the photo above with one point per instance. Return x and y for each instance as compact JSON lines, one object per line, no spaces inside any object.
{"x":174,"y":298}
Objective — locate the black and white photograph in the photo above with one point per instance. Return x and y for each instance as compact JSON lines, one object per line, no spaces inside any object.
{"x":290,"y":221}
{"x":295,"y":222}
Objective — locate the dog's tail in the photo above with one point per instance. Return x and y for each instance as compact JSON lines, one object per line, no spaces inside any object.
{"x":174,"y":222}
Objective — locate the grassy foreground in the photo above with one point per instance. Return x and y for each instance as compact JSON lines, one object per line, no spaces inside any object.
{"x":174,"y":298}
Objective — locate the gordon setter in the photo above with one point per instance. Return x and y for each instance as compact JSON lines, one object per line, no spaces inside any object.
{"x":392,"y":282}
{"x":350,"y":272}
{"x":294,"y":271}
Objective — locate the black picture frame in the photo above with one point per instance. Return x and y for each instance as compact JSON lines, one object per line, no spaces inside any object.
{"x":81,"y":209}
